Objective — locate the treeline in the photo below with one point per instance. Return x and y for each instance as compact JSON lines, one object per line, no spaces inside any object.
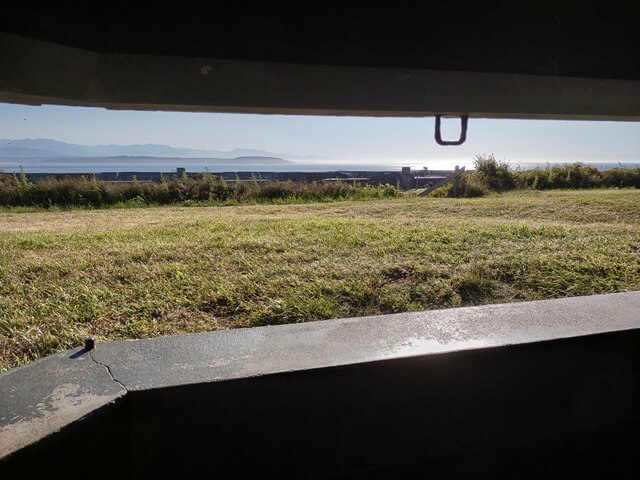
{"x":16,"y":190}
{"x":491,"y":175}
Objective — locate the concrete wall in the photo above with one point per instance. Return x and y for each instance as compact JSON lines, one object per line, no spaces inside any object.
{"x":408,"y":180}
{"x":534,"y":390}
{"x":371,"y":177}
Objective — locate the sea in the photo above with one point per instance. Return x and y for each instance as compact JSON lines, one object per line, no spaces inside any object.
{"x":136,"y":164}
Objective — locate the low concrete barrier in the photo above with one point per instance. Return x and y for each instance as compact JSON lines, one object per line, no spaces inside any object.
{"x":525,"y":390}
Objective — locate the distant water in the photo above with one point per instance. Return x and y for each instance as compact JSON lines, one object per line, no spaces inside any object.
{"x":599,"y":166}
{"x":100,"y":165}
{"x":170,"y":165}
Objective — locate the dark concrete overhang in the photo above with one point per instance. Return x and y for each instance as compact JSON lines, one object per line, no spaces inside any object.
{"x":529,"y":37}
{"x":37,"y":72}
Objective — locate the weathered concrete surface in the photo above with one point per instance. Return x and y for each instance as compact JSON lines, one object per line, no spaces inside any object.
{"x":36,"y":72}
{"x":528,"y":390}
{"x":39,"y":399}
{"x":208,"y":357}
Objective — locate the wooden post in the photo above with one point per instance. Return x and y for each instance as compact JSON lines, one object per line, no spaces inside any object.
{"x":405,"y":178}
{"x":456,"y":182}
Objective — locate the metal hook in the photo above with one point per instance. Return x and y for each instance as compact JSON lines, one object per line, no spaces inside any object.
{"x":464,"y":120}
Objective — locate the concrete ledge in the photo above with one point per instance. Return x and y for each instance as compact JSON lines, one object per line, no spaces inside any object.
{"x":379,"y":395}
{"x":39,"y":399}
{"x":224,"y":355}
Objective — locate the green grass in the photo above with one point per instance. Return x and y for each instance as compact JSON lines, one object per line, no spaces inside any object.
{"x":144,"y":272}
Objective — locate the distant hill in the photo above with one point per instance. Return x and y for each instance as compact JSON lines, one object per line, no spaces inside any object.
{"x":22,"y":152}
{"x":249,"y":160}
{"x":246,"y":160}
{"x":47,"y":148}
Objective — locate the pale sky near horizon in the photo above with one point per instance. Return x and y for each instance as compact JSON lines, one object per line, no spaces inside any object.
{"x":337,"y":139}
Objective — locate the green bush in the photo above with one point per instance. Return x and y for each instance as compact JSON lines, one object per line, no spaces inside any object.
{"x":496,"y":175}
{"x":471,"y":185}
{"x":491,"y":175}
{"x":575,"y":175}
{"x":15,"y":191}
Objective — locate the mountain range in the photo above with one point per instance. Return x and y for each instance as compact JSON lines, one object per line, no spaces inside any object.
{"x":47,"y":148}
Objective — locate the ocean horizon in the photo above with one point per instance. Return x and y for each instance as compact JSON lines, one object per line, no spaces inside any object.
{"x":104,"y":165}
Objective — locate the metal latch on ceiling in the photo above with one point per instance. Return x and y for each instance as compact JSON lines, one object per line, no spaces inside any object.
{"x":464,"y":120}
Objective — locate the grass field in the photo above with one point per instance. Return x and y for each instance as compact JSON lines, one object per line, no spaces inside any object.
{"x":134,"y":273}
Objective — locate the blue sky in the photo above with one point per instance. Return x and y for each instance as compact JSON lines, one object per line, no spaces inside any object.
{"x":337,"y":139}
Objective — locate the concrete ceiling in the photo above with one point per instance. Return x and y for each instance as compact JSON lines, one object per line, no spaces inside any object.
{"x":507,"y":59}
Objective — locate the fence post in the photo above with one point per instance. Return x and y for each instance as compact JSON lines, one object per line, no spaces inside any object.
{"x":405,"y":178}
{"x":456,"y":181}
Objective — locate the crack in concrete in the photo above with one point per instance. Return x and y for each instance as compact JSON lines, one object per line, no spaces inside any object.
{"x":109,"y":372}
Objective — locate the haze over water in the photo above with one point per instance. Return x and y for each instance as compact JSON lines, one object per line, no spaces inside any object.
{"x":100,"y":165}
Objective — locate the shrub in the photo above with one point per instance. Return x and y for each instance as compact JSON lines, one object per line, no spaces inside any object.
{"x":496,"y":175}
{"x":491,"y":175}
{"x":577,"y":175}
{"x":621,"y":177}
{"x":471,"y":185}
{"x":15,"y":190}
